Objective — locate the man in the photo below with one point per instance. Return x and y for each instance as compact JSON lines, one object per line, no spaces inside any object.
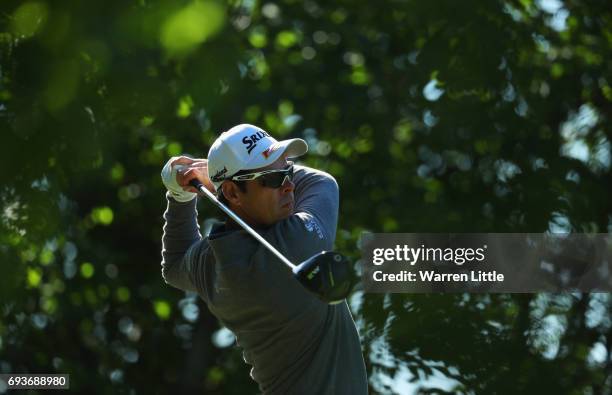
{"x":296,"y":343}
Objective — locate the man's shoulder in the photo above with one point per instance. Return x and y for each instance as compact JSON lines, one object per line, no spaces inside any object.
{"x":305,"y":171}
{"x":231,"y":245}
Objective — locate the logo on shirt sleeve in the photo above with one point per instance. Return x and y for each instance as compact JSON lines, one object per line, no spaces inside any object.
{"x":312,"y":226}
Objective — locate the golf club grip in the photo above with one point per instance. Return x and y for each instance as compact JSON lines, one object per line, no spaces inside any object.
{"x":196,"y":184}
{"x":200,"y":187}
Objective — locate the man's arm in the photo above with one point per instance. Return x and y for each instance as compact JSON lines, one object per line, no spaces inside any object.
{"x":181,"y":231}
{"x":312,"y":227}
{"x":182,"y":244}
{"x":317,"y":194}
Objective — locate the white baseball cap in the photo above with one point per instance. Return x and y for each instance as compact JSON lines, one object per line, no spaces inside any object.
{"x":246,"y":147}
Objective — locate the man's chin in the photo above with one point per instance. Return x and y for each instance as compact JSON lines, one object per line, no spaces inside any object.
{"x":287,"y":210}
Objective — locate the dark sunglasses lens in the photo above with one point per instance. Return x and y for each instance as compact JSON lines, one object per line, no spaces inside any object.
{"x":276,"y":180}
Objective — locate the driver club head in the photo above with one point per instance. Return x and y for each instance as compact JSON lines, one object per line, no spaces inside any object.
{"x":327,"y":274}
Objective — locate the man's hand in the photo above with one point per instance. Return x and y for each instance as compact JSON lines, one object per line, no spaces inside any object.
{"x":177,"y":173}
{"x":193,"y":169}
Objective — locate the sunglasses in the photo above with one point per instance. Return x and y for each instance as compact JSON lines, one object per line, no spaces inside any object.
{"x":269,"y":178}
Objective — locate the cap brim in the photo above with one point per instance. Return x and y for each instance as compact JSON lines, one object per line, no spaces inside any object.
{"x":292,"y":148}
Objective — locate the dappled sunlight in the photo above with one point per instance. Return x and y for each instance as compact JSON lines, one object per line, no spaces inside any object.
{"x":431,"y":117}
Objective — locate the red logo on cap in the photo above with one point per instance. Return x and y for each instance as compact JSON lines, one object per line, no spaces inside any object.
{"x":268,"y":151}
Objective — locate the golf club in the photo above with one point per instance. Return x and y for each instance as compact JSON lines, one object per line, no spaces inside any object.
{"x":327,"y":274}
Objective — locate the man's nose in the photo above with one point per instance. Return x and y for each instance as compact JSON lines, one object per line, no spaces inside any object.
{"x":288,"y":185}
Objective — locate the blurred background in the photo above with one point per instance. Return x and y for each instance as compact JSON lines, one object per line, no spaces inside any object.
{"x":442,"y":116}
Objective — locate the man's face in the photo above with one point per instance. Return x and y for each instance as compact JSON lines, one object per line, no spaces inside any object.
{"x":264,"y":206}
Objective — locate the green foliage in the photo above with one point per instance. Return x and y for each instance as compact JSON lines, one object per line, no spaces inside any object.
{"x":433,"y":117}
{"x":190,"y":26}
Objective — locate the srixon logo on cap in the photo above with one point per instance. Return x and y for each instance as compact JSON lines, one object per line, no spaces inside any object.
{"x":251,"y":141}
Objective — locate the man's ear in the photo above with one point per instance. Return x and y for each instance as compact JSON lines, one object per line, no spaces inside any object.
{"x":231,"y":192}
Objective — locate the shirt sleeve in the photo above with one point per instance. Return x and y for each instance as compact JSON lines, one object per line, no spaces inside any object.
{"x":317,"y":196}
{"x":181,"y":233}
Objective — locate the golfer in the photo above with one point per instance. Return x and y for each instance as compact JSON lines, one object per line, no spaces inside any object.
{"x":295,"y":343}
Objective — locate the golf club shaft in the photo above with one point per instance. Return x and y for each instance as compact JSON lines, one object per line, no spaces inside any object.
{"x":198,"y":185}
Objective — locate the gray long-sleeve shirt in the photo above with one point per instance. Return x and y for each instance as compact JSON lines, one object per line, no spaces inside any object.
{"x":295,"y":343}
